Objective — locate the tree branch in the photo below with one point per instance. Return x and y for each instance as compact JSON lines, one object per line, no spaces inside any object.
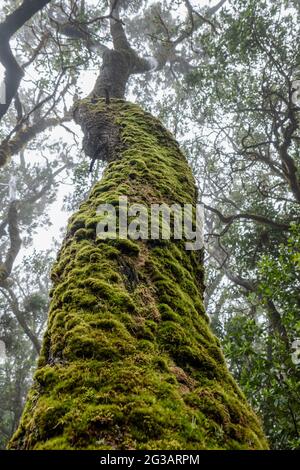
{"x":15,"y":242}
{"x":13,"y":71}
{"x":14,"y":305}
{"x":11,"y":147}
{"x":257,"y":218}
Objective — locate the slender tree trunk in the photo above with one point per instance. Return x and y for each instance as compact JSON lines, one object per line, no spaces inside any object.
{"x":128,"y":359}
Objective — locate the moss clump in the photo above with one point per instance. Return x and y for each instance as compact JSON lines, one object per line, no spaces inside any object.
{"x":128,"y":247}
{"x":128,"y":360}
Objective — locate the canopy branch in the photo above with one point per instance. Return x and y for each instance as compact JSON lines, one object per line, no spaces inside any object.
{"x":13,"y":71}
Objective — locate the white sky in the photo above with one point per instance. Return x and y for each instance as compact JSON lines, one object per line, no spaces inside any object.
{"x":45,"y":235}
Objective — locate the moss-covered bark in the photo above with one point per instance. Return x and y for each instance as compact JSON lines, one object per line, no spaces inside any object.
{"x":128,"y":360}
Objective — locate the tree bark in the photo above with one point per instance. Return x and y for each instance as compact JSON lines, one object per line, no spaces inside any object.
{"x":128,"y":359}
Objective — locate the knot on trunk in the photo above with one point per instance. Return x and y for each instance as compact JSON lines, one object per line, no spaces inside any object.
{"x":101,"y":139}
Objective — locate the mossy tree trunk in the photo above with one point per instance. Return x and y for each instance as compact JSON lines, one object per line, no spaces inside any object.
{"x":129,"y":360}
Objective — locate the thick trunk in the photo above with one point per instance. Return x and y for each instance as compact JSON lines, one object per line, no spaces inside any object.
{"x":114,"y":74}
{"x":128,"y":360}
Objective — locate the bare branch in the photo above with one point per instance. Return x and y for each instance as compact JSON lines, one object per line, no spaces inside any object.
{"x":8,"y":148}
{"x":13,"y":71}
{"x":229,"y":219}
{"x":15,"y":242}
{"x":14,"y":305}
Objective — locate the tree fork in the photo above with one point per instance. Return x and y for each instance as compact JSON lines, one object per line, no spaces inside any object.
{"x":128,"y":358}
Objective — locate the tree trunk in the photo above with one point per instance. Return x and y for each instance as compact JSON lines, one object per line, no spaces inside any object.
{"x":128,"y":359}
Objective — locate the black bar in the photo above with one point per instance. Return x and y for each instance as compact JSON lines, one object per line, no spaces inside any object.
{"x":205,"y":460}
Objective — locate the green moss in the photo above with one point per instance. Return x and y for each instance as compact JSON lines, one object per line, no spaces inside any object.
{"x":167,"y":313}
{"x":83,"y":234}
{"x":128,"y":359}
{"x":128,"y":247}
